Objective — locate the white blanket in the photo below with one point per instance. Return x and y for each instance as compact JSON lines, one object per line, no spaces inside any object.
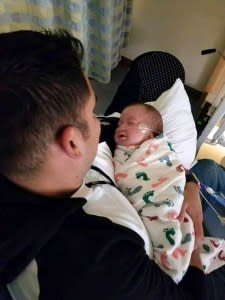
{"x":107,"y":201}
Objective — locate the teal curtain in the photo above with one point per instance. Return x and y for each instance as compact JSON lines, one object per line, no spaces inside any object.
{"x":102,"y":26}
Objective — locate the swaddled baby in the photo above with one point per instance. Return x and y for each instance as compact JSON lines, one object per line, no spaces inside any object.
{"x":149,"y":173}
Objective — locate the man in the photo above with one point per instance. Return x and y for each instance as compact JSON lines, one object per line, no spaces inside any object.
{"x":49,"y":247}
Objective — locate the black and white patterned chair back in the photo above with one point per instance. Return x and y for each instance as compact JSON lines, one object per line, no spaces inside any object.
{"x":149,"y":76}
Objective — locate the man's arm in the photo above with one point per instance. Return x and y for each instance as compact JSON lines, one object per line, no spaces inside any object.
{"x":192,"y":206}
{"x":129,"y":274}
{"x":108,"y":261}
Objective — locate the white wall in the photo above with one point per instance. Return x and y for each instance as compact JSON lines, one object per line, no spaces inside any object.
{"x":182,"y":28}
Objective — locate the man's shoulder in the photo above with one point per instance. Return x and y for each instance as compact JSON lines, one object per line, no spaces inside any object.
{"x":92,"y":232}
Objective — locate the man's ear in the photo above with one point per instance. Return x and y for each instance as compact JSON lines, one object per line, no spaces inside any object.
{"x":70,"y":140}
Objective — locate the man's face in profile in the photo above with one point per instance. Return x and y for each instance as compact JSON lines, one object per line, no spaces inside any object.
{"x":92,"y":139}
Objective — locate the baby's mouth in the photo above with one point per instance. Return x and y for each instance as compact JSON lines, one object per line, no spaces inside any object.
{"x":122,"y":136}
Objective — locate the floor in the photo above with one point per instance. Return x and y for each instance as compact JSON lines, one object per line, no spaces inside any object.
{"x":105,"y":93}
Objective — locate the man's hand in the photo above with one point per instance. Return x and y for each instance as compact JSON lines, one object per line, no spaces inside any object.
{"x":192,"y":206}
{"x":195,"y":259}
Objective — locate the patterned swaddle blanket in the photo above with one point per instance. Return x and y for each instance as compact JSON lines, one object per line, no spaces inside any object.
{"x":153,"y":179}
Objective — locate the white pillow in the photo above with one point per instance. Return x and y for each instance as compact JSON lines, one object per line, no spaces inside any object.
{"x":178,"y":122}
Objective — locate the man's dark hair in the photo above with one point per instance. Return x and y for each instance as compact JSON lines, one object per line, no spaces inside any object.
{"x":42,"y":90}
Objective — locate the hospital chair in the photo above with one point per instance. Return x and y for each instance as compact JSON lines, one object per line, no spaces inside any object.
{"x":150,"y":74}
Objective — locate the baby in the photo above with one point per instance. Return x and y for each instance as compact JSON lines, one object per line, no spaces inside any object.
{"x":149,"y":173}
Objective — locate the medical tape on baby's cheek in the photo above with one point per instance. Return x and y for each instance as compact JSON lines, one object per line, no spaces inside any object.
{"x":144,"y":128}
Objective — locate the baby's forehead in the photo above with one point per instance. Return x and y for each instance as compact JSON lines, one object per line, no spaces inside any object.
{"x":132,"y":111}
{"x":135,"y":112}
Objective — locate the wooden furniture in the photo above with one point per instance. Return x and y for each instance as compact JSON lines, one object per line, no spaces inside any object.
{"x":215,"y":87}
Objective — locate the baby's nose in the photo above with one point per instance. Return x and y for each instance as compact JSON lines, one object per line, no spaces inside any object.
{"x":118,"y":129}
{"x":122,"y":125}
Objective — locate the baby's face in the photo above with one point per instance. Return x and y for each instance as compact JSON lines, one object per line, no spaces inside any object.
{"x":132,"y":128}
